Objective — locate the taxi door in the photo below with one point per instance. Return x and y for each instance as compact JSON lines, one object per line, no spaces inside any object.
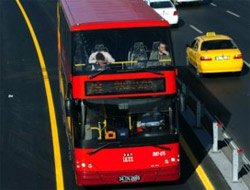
{"x":191,"y":52}
{"x":194,"y":53}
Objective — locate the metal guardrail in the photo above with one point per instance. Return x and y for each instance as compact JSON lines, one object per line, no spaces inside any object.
{"x":239,"y":160}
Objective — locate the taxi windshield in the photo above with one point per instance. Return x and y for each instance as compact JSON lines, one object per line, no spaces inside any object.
{"x":121,"y":49}
{"x":218,"y":44}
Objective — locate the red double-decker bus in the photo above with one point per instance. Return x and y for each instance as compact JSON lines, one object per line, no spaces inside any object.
{"x":121,"y":118}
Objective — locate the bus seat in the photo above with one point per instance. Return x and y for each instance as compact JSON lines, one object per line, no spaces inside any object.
{"x":155,"y":45}
{"x":138,"y":52}
{"x":100,"y":47}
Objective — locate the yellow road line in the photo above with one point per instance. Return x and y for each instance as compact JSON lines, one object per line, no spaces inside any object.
{"x":198,"y":168}
{"x":53,"y":124}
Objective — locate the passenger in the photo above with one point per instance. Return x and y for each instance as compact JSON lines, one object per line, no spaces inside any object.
{"x":151,"y":120}
{"x":160,"y":54}
{"x":107,"y":57}
{"x":100,"y":60}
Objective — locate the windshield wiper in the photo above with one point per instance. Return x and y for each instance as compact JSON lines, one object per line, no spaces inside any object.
{"x":147,"y":70}
{"x":157,"y":146}
{"x":102,"y":147}
{"x":118,"y":143}
{"x":162,"y":147}
{"x":98,"y":73}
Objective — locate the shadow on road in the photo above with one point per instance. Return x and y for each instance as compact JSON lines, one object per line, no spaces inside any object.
{"x":207,"y":99}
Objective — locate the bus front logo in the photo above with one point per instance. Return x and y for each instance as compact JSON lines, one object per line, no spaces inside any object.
{"x":128,"y":157}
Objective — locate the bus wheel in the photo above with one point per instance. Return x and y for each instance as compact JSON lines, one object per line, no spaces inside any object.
{"x":70,"y":152}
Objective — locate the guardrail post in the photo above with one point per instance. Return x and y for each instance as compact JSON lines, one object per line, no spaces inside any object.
{"x":184,"y":89}
{"x":198,"y":114}
{"x":217,"y":135}
{"x":237,"y":162}
{"x":182,"y":102}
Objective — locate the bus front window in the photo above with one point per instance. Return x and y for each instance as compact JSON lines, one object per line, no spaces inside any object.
{"x":124,"y":49}
{"x":128,"y":119}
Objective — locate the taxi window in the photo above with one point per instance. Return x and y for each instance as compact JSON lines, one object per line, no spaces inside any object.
{"x":218,"y":44}
{"x":196,"y":45}
{"x":192,"y":44}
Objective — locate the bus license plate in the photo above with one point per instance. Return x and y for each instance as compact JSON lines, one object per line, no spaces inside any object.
{"x":133,"y":178}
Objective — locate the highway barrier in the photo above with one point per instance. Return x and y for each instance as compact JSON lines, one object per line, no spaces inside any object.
{"x":215,"y":127}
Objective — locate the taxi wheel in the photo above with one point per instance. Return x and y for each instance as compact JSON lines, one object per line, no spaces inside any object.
{"x":198,"y":74}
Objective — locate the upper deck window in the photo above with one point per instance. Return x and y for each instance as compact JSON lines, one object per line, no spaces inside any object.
{"x":130,"y":48}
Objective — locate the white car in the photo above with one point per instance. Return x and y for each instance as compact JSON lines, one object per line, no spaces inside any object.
{"x":177,"y":2}
{"x":166,"y":9}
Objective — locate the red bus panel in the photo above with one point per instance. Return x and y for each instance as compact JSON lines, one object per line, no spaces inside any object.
{"x":130,"y":165}
{"x":78,"y":84}
{"x":96,"y":14}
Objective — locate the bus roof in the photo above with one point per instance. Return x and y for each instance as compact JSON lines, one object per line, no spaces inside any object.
{"x":110,"y":14}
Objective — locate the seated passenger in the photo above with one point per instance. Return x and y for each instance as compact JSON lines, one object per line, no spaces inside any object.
{"x":101,"y":61}
{"x":153,"y":119}
{"x":108,"y":58}
{"x":159,"y":54}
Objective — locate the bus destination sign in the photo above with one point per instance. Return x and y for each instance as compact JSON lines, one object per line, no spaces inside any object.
{"x":131,"y":86}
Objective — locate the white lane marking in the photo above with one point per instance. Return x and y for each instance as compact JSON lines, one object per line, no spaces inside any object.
{"x":213,"y":4}
{"x":247,"y":64}
{"x":196,"y":29}
{"x":232,"y":13}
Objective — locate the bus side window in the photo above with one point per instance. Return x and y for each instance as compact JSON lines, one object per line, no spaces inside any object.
{"x":65,"y":40}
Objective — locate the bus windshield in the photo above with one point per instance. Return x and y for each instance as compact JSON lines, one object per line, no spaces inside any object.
{"x":124,"y":49}
{"x":126,"y":119}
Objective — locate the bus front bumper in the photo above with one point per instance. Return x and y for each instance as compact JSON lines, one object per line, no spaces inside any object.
{"x":85,"y":178}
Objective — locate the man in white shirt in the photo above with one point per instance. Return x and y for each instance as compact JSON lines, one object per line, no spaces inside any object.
{"x":93,"y":57}
{"x":99,"y":60}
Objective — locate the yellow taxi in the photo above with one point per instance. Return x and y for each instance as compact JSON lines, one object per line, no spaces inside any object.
{"x":214,"y":53}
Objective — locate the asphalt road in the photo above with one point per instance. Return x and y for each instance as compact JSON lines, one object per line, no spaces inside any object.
{"x":27,"y":160}
{"x":226,"y":95}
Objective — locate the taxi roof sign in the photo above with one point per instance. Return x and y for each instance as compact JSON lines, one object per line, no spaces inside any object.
{"x":210,"y":34}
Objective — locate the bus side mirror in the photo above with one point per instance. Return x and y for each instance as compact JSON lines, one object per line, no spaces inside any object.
{"x":68,"y":107}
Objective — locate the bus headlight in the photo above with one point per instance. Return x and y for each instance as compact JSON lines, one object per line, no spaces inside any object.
{"x":172,"y":159}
